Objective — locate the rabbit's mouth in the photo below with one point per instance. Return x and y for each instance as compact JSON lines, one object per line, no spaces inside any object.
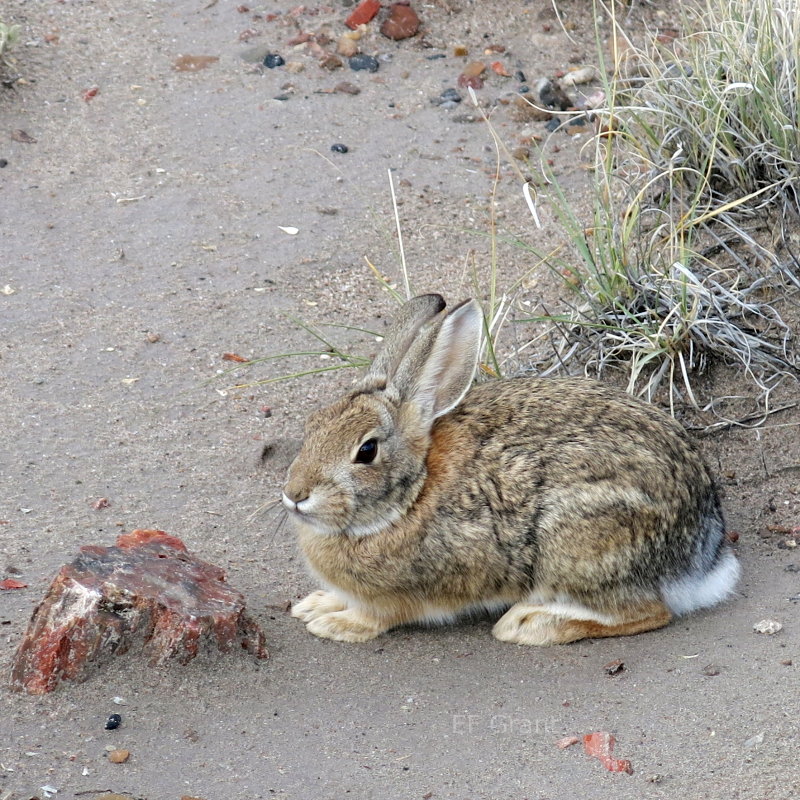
{"x":306,"y":512}
{"x":300,"y":508}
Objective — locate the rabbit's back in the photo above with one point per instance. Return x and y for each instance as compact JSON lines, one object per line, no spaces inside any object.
{"x":587,"y":486}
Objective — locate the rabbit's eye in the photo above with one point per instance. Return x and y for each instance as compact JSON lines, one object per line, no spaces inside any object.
{"x":367,"y":452}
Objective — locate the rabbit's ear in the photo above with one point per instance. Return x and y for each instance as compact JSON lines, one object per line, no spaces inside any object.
{"x":415,"y":313}
{"x":439,"y":368}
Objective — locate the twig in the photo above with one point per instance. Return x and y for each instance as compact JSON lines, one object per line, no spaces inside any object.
{"x":708,"y":430}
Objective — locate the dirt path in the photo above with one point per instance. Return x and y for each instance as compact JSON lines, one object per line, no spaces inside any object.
{"x":140,"y":236}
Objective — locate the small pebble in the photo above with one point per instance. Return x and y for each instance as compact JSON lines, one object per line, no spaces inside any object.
{"x":473,"y":69}
{"x":756,"y":740}
{"x":364,"y":62}
{"x":340,"y":148}
{"x":520,"y":76}
{"x":331,"y":62}
{"x":614,"y":667}
{"x":119,"y":756}
{"x":524,"y":88}
{"x":435,"y":56}
{"x":768,"y":626}
{"x":347,"y":46}
{"x":346,"y":88}
{"x":552,"y":95}
{"x":113,"y":722}
{"x":553,"y":125}
{"x":449,"y":98}
{"x":3,"y":162}
{"x":470,"y":82}
{"x":401,"y":23}
{"x":576,"y":76}
{"x":567,"y":741}
{"x":272,"y":60}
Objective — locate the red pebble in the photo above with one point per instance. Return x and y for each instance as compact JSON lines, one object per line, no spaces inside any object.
{"x":363,"y":13}
{"x":470,"y":81}
{"x":10,"y":583}
{"x":90,"y":94}
{"x":402,"y":22}
{"x":499,"y":68}
{"x":567,"y":741}
{"x":600,"y":745}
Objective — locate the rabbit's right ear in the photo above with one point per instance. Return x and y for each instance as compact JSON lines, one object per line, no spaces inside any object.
{"x":414,"y":314}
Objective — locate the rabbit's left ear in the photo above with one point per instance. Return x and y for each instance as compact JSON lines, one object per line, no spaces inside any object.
{"x":444,"y":374}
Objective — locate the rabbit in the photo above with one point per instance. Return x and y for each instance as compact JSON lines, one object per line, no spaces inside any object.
{"x":575,"y":509}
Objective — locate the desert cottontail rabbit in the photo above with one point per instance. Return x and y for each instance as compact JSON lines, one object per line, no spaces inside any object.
{"x":581,"y":510}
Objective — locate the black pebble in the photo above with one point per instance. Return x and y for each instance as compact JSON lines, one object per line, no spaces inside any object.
{"x":272,"y":60}
{"x":553,"y":125}
{"x":361,"y":61}
{"x":524,"y":89}
{"x":450,"y":96}
{"x":435,"y":56}
{"x":3,"y":162}
{"x":520,"y":76}
{"x":113,"y":722}
{"x":340,"y":148}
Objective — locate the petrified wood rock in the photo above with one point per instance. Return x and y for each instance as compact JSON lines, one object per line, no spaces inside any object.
{"x":147,"y":589}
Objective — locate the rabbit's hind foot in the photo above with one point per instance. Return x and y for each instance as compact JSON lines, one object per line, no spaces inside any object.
{"x":557,"y":623}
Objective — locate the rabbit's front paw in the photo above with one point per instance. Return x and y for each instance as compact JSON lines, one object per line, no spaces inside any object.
{"x":347,"y":625}
{"x":317,"y":604}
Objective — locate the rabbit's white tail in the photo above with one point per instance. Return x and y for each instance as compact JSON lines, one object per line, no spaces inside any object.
{"x":701,"y":589}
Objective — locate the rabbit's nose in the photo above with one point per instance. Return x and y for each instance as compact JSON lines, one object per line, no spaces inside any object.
{"x":294,"y":493}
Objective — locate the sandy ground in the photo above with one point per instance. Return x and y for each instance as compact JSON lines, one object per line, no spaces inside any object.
{"x":139,"y":234}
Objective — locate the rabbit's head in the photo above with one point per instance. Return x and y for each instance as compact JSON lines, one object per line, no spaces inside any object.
{"x":363,"y":460}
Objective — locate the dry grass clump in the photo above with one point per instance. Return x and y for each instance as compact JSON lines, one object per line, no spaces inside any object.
{"x":698,"y":164}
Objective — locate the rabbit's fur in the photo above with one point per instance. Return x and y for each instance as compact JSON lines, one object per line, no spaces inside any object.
{"x":588,"y":512}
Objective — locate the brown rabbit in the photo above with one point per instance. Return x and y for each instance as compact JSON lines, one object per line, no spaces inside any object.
{"x":418,"y":498}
